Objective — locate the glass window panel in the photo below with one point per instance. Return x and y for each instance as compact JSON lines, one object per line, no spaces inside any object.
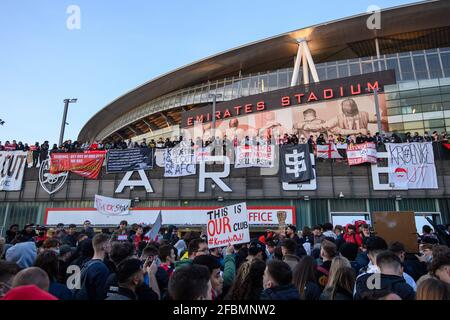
{"x":262,"y":83}
{"x":355,"y":69}
{"x":410,"y":93}
{"x":420,"y":67}
{"x":331,"y":72}
{"x":407,"y":68}
{"x":228,"y":90}
{"x":432,"y":107}
{"x":393,"y":103}
{"x":445,"y":89}
{"x":253,"y":85}
{"x":236,"y":88}
{"x":244,"y":88}
{"x":392,"y":95}
{"x":435,"y":91}
{"x":321,"y":73}
{"x":411,"y":109}
{"x":379,"y":64}
{"x":431,"y":99}
{"x":445,"y":57}
{"x":283,"y":80}
{"x":446,"y":105}
{"x":413,"y":125}
{"x":272,"y":81}
{"x":343,"y":71}
{"x":219,"y":89}
{"x":394,"y":111}
{"x":434,"y":66}
{"x":367,"y":67}
{"x":445,"y":97}
{"x":396,"y":127}
{"x":434,"y":123}
{"x":392,"y":64}
{"x":447,"y":122}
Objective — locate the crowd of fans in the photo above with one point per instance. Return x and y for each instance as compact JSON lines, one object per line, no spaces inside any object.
{"x":325,"y":262}
{"x":41,"y":152}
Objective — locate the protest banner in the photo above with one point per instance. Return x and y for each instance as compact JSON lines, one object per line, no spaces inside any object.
{"x":411,"y":165}
{"x":87,"y":165}
{"x":129,"y":160}
{"x":112,"y":206}
{"x":228,"y":225}
{"x":295,"y":163}
{"x":12,"y":168}
{"x":179,"y":162}
{"x":362,"y":153}
{"x":202,"y":153}
{"x":255,"y":156}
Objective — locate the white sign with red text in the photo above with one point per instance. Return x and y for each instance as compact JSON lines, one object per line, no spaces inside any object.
{"x":257,"y":216}
{"x":228,"y":226}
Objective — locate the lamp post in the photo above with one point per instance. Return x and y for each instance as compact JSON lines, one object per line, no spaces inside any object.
{"x":377,"y":110}
{"x":63,"y":124}
{"x":214,"y":96}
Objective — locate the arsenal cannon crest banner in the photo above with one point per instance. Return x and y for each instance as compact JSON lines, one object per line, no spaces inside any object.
{"x":295,"y":163}
{"x":87,"y":165}
{"x":411,"y":165}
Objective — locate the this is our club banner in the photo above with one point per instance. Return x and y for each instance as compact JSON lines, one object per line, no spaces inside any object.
{"x":228,"y":226}
{"x":362,"y":153}
{"x":87,"y":165}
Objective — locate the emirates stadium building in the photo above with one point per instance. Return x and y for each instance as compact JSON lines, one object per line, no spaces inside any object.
{"x":402,"y":53}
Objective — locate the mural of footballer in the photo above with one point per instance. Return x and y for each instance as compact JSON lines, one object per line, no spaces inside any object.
{"x":350,"y":121}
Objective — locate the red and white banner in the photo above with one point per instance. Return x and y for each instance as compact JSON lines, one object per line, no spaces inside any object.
{"x":362,"y":153}
{"x":328,"y":151}
{"x":87,"y":165}
{"x":257,"y":216}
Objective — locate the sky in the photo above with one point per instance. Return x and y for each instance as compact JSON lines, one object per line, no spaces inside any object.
{"x":121,"y":45}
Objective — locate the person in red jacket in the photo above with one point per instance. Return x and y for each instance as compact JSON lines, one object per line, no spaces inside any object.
{"x":351,"y":236}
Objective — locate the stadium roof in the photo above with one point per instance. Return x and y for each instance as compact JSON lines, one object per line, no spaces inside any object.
{"x":416,"y":26}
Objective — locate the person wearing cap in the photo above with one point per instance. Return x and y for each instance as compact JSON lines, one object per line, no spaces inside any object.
{"x":65,"y":256}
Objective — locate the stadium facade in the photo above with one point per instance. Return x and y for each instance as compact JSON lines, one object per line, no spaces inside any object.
{"x":412,"y":45}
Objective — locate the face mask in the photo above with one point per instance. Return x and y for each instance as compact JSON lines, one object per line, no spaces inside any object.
{"x":56,"y":251}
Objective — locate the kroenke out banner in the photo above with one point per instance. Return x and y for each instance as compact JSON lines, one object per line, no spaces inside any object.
{"x":343,"y":106}
{"x":12,"y":168}
{"x":87,"y":165}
